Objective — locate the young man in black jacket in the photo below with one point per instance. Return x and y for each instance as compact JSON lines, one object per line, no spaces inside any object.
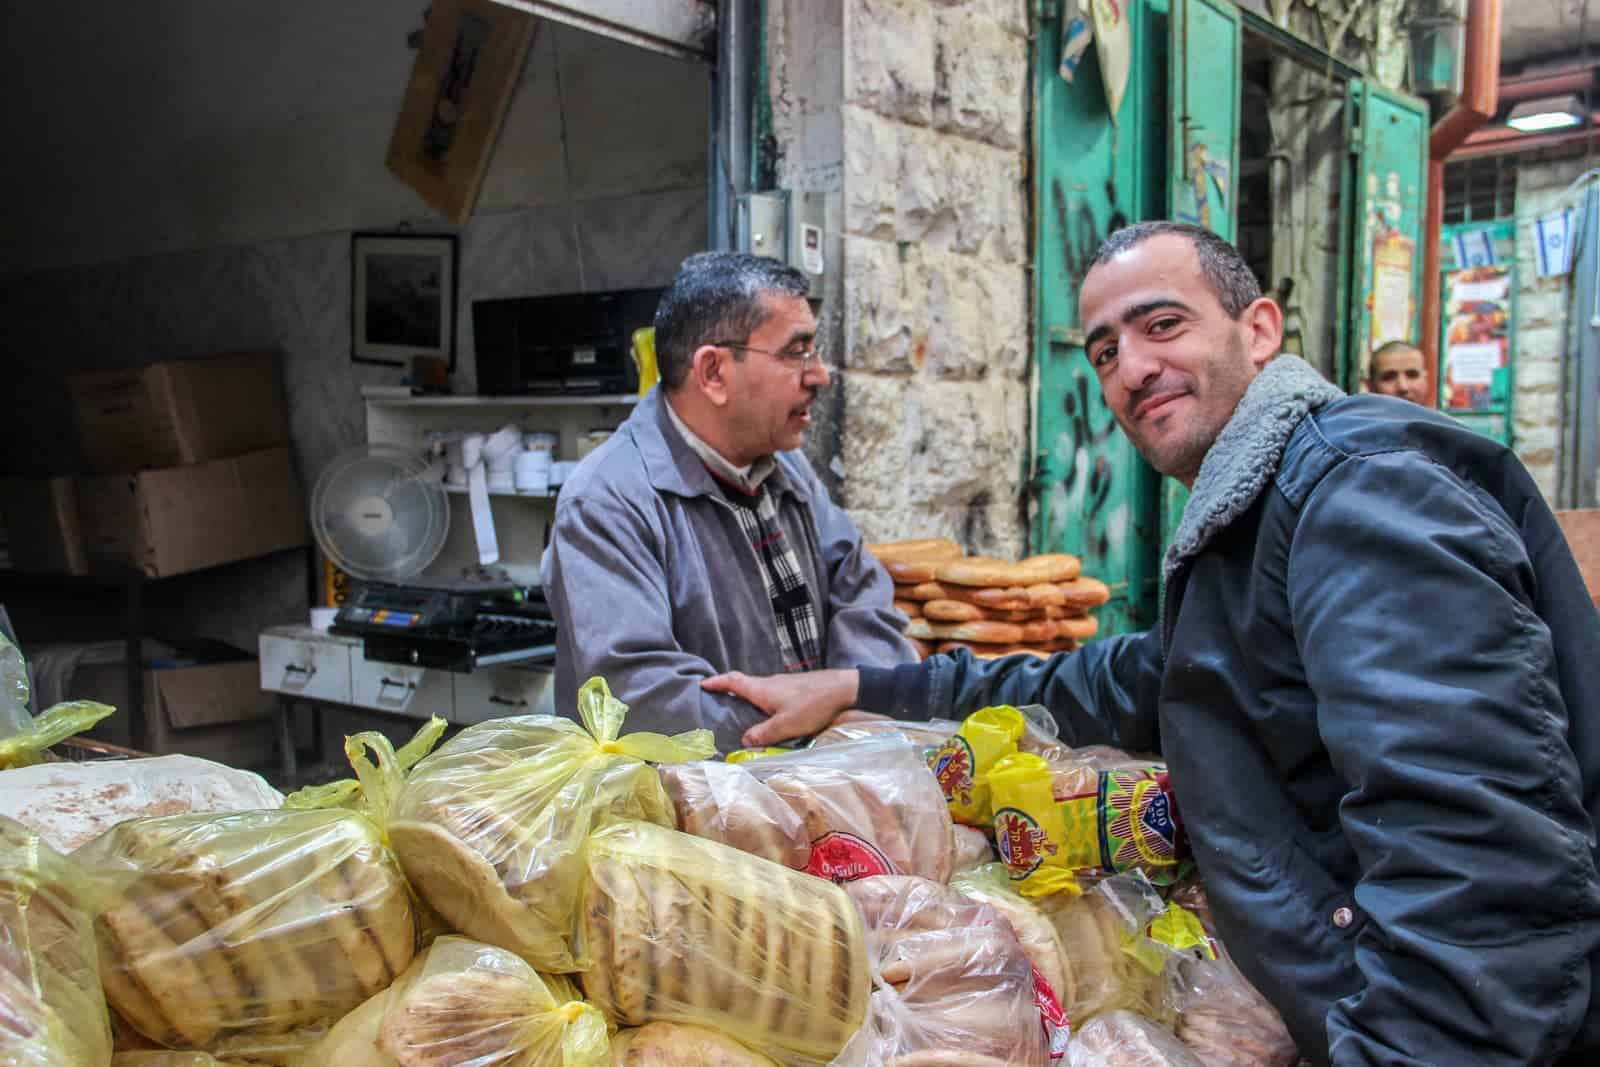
{"x":1374,"y":683}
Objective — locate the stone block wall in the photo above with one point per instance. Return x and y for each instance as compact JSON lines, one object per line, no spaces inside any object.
{"x":1543,"y":332}
{"x":934,"y":430}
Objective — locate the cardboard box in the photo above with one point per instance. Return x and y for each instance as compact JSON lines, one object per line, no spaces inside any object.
{"x":203,"y":700}
{"x":179,"y":412}
{"x":40,"y":516}
{"x":179,"y":519}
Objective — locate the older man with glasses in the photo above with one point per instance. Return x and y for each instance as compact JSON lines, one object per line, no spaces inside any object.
{"x":698,"y":539}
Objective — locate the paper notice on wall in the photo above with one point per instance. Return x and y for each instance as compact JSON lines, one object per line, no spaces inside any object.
{"x":1493,"y":291}
{"x":1474,"y":364}
{"x":1113,"y":42}
{"x":1076,"y":36}
{"x":1392,"y":257}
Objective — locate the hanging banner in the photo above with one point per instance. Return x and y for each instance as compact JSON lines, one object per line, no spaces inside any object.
{"x":1478,"y":341}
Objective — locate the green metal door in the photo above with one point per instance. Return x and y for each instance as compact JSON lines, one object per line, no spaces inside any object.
{"x":1206,"y":40}
{"x":1092,"y":494}
{"x":1389,"y":135}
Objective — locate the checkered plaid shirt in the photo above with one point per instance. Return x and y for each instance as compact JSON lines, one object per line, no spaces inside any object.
{"x":792,"y":608}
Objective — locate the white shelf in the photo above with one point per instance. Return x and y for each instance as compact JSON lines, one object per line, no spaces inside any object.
{"x":461,"y":491}
{"x":382,"y":396}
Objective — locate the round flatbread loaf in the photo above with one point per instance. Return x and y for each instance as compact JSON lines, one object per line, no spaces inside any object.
{"x":911,"y":609}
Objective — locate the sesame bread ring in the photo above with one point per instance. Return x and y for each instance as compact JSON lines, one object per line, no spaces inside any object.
{"x":929,"y":548}
{"x":982,"y":571}
{"x":986,"y":632}
{"x":911,"y":571}
{"x":911,"y":609}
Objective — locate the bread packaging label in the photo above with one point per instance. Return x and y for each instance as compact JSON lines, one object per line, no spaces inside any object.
{"x":843,"y":857}
{"x":1118,"y":821}
{"x":962,"y":763}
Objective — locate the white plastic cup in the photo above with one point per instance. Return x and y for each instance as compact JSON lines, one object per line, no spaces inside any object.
{"x":533,"y":472}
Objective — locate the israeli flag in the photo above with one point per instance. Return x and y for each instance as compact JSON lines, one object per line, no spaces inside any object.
{"x":1474,"y":248}
{"x":1552,"y":235}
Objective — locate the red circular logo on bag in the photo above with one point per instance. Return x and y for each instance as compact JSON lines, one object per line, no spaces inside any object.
{"x":841,"y":857}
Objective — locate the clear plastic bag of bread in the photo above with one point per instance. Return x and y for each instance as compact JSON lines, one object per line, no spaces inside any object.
{"x":681,"y":1045}
{"x":1223,"y":1019}
{"x":1041,"y":734}
{"x":683,"y":930}
{"x":1125,"y":1039}
{"x":991,"y":885}
{"x":948,"y":973}
{"x":491,"y":827}
{"x":1102,"y":932}
{"x":466,"y":1004}
{"x":52,"y":1012}
{"x":247,"y":935}
{"x":839,"y":812}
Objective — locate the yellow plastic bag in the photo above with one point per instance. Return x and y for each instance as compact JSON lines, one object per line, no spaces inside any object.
{"x":962,"y":763}
{"x":377,"y":782}
{"x":248,"y":934}
{"x":490,"y":828}
{"x":52,"y":1012}
{"x":685,"y":930}
{"x":1122,"y":820}
{"x":50,"y":727}
{"x":466,"y":1004}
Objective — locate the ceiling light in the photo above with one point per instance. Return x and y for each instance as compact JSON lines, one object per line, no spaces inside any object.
{"x":1546,"y":113}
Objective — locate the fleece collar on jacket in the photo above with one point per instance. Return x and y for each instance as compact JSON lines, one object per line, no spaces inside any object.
{"x":1247,"y":452}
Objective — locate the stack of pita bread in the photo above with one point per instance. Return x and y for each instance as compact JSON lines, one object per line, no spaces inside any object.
{"x":990,"y":607}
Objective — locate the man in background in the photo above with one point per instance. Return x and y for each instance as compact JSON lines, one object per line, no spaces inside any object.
{"x":698,"y":539}
{"x":1398,"y":369}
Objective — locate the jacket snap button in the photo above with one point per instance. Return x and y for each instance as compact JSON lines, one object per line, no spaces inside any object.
{"x":1343,"y":917}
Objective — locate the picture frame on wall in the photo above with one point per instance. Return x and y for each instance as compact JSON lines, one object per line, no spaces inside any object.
{"x":461,"y":85}
{"x":402,"y":297}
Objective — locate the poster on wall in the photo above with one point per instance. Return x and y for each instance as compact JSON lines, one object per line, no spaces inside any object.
{"x":1477,"y":335}
{"x":1393,"y":256}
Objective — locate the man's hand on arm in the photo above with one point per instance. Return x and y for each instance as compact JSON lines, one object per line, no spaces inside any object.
{"x":797,"y":705}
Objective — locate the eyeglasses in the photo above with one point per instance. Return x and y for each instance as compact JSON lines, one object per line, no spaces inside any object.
{"x":793,"y":356}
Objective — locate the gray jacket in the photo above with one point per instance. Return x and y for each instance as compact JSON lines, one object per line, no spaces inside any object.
{"x":655,"y":587}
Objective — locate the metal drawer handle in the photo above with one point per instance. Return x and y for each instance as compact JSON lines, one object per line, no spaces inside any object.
{"x":295,"y":668}
{"x":508,"y":703}
{"x":385,"y":682}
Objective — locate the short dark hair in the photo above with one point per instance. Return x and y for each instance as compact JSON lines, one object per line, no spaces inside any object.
{"x":1225,"y":270}
{"x":716,"y":296}
{"x":1395,"y":346}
